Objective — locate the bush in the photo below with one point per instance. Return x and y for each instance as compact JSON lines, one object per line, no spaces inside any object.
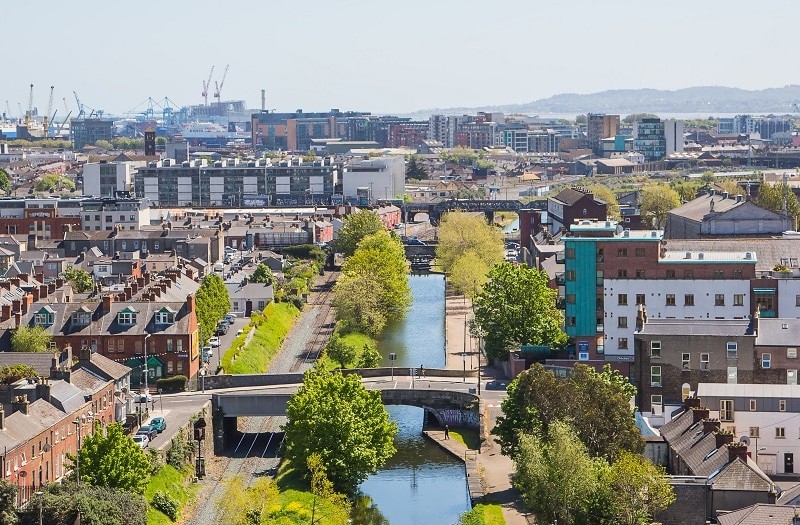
{"x":306,"y":251}
{"x":166,"y":504}
{"x":171,"y":385}
{"x":180,"y":453}
{"x":295,"y":300}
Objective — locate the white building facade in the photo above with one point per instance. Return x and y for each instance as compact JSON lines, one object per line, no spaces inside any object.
{"x":384,"y":178}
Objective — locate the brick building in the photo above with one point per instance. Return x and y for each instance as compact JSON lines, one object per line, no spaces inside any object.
{"x":573,"y":204}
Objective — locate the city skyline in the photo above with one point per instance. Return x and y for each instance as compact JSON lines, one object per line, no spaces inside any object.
{"x":350,"y":56}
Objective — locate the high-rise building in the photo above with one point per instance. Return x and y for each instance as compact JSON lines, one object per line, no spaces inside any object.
{"x":598,"y":127}
{"x":655,"y":138}
{"x":85,"y":132}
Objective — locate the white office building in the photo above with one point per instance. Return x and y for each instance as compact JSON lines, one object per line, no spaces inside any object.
{"x":381,"y":177}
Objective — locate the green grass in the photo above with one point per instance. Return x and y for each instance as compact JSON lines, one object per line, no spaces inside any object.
{"x":484,"y":514}
{"x":174,"y":482}
{"x":358,"y":340}
{"x":466,"y":436}
{"x":270,"y":331}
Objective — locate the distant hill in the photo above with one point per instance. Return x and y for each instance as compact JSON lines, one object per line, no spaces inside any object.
{"x":703,"y":99}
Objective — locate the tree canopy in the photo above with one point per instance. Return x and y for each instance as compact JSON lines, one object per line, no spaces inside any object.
{"x":30,"y":339}
{"x":517,"y":307}
{"x":336,"y":417}
{"x":373,"y":287}
{"x":771,"y":196}
{"x":13,"y":373}
{"x":415,"y":169}
{"x":213,"y":302}
{"x":54,"y":181}
{"x":656,"y":200}
{"x":62,"y":503}
{"x":605,"y":194}
{"x":596,"y":404}
{"x":80,"y":279}
{"x":262,"y":274}
{"x":5,"y":181}
{"x":113,"y":460}
{"x":468,"y":248}
{"x":340,"y":350}
{"x":356,"y":226}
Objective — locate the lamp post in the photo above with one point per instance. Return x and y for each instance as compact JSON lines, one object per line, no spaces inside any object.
{"x":146,"y":372}
{"x":77,"y":423}
{"x":39,"y":495}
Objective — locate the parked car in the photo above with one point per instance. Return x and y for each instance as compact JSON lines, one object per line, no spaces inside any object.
{"x":228,"y":249}
{"x":230,"y":318}
{"x":142,"y":440}
{"x":158,"y":423}
{"x":222,"y":329}
{"x":148,"y":431}
{"x":214,"y":342}
{"x":208,"y":352}
{"x":413,"y":241}
{"x":143,"y":398}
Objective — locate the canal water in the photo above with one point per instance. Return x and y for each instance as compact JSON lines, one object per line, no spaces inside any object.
{"x":421,"y":484}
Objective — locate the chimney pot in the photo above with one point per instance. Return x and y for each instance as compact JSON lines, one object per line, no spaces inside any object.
{"x":699,"y":414}
{"x":691,"y":402}
{"x":108,"y":300}
{"x":723,"y":438}
{"x":737,"y":450}
{"x":710,"y":425}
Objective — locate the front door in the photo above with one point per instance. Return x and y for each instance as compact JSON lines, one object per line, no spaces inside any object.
{"x":788,"y":463}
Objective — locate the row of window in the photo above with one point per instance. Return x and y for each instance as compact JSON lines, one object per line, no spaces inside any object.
{"x":622,"y":273}
{"x":110,"y":218}
{"x":731,"y":347}
{"x":670,"y":300}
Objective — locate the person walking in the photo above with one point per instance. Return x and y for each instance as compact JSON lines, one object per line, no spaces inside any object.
{"x":446,"y":432}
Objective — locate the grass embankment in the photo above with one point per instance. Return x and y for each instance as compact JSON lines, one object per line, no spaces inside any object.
{"x":271,"y":328}
{"x":355,"y":339}
{"x":296,"y":500}
{"x":484,"y":514}
{"x":467,"y":437}
{"x":174,"y":482}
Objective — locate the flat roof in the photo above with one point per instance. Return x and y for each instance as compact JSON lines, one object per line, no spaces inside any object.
{"x":699,"y":257}
{"x":747,"y":390}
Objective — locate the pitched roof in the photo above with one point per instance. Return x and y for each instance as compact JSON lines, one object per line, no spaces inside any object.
{"x":87,"y":381}
{"x":570,"y":196}
{"x":19,"y":427}
{"x":106,"y":367}
{"x":759,"y":514}
{"x":744,"y":475}
{"x":251,"y":291}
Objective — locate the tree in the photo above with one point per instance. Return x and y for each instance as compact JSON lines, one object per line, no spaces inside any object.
{"x":469,"y":274}
{"x":596,"y":404}
{"x":213,"y":302}
{"x":113,"y":460}
{"x":555,"y":476}
{"x":357,"y":226}
{"x":772,"y":196}
{"x":340,"y":350}
{"x":5,"y":181}
{"x":687,"y":190}
{"x":636,"y":117}
{"x":309,"y":156}
{"x":373,"y":284}
{"x":656,"y":200}
{"x":13,"y":373}
{"x":461,"y":233}
{"x":370,"y":357}
{"x":605,"y":194}
{"x":262,"y":274}
{"x":517,"y":307}
{"x":638,"y":489}
{"x":8,"y":503}
{"x":30,"y":339}
{"x":80,"y":279}
{"x":104,"y":144}
{"x":346,"y":424}
{"x":61,"y":503}
{"x":415,"y":169}
{"x":708,"y":178}
{"x":730,"y":186}
{"x":52,"y":182}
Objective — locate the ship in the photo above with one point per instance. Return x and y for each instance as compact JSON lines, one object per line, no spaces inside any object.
{"x":200,"y":131}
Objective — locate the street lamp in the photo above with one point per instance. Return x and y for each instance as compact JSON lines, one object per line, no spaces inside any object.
{"x":39,"y":495}
{"x":77,"y":423}
{"x":146,"y":372}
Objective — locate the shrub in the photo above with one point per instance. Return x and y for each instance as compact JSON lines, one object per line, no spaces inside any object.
{"x":166,"y":504}
{"x":171,"y":385}
{"x":181,"y":452}
{"x":295,"y":300}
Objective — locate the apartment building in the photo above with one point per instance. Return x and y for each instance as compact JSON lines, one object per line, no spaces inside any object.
{"x":105,"y":179}
{"x":294,"y":131}
{"x":40,"y":218}
{"x":598,"y":127}
{"x":573,"y":204}
{"x":655,"y":138}
{"x":384,"y":177}
{"x":106,"y":213}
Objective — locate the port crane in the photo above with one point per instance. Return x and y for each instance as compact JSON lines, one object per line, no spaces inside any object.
{"x":8,"y":110}
{"x":218,"y":91}
{"x":47,"y":118}
{"x":29,"y":113}
{"x":207,"y":85}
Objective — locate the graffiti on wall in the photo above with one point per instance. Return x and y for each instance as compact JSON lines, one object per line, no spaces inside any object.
{"x":455,"y":417}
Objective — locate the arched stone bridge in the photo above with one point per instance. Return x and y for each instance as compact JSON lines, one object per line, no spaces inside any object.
{"x":436,"y":210}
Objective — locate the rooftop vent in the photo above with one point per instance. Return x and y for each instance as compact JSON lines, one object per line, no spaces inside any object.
{"x":688,"y":255}
{"x":700,"y":256}
{"x":748,"y":255}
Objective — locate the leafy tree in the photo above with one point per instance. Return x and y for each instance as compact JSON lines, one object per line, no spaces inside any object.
{"x":596,"y":404}
{"x":5,"y":181}
{"x":370,"y":357}
{"x":605,"y":194}
{"x":708,"y":178}
{"x":53,"y":182}
{"x":80,"y":279}
{"x":104,"y":144}
{"x":656,"y":200}
{"x":687,"y":190}
{"x":62,"y":503}
{"x":771,"y":197}
{"x":309,"y":156}
{"x":30,"y":339}
{"x":415,"y":169}
{"x":638,"y":489}
{"x":340,"y":350}
{"x":13,"y":373}
{"x":555,"y":476}
{"x":373,"y":287}
{"x":462,"y":233}
{"x":731,"y":187}
{"x":346,"y":424}
{"x":469,"y":274}
{"x":306,"y":251}
{"x":113,"y":460}
{"x":517,"y":307}
{"x":262,"y":274}
{"x":636,"y":117}
{"x":461,"y":155}
{"x":213,"y":302}
{"x":357,"y":226}
{"x":581,"y":119}
{"x":8,"y":503}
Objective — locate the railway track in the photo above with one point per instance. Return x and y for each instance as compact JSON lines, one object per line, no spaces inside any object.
{"x":322,"y":326}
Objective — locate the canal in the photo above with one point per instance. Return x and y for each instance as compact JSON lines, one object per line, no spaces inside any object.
{"x":421,"y":484}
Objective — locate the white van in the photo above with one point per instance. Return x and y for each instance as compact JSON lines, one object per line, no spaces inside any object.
{"x":219,"y":267}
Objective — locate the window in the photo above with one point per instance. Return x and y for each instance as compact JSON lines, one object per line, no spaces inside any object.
{"x":656,"y":404}
{"x":622,"y":343}
{"x":570,"y":253}
{"x":622,"y":273}
{"x":670,"y":299}
{"x":570,"y":321}
{"x":600,"y":257}
{"x":655,"y":349}
{"x":754,"y":432}
{"x":622,"y":322}
{"x":111,"y":347}
{"x":733,"y":375}
{"x":719,"y":274}
{"x":726,"y":409}
{"x":180,"y":346}
{"x":126,"y":318}
{"x":704,"y":361}
{"x":640,"y":298}
{"x":640,"y":274}
{"x":688,"y":300}
{"x":737,"y":274}
{"x":622,"y":252}
{"x":261,"y":305}
{"x":170,"y":367}
{"x":753,"y":405}
{"x":169,"y":345}
{"x":155,"y":245}
{"x":719,"y":299}
{"x":791,"y":377}
{"x":165,"y":317}
{"x":791,"y":353}
{"x":766,"y":360}
{"x":738,"y":299}
{"x":640,"y":252}
{"x":570,"y":274}
{"x":599,"y":278}
{"x":797,"y":300}
{"x":570,"y":298}
{"x":655,"y":376}
{"x":622,"y":299}
{"x":685,"y":361}
{"x":670,"y":274}
{"x":780,"y":433}
{"x":781,"y":405}
{"x":732,"y":350}
{"x":688,"y":274}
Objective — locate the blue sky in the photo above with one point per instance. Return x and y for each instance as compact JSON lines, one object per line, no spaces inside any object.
{"x":387,"y":57}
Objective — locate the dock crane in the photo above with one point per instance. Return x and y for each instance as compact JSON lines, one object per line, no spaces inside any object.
{"x":63,"y":123}
{"x":218,"y":91}
{"x":78,"y":102}
{"x":47,"y":118}
{"x":29,"y":113}
{"x":8,"y":110}
{"x":207,"y":85}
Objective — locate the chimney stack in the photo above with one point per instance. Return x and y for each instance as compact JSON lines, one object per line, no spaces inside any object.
{"x":20,"y":404}
{"x":43,"y":291}
{"x":108,"y":300}
{"x":43,"y":389}
{"x":39,"y":277}
{"x":6,"y":312}
{"x":737,"y":450}
{"x":723,"y":438}
{"x":710,"y":425}
{"x":35,"y":294}
{"x":51,"y":288}
{"x":691,"y":402}
{"x":59,"y":282}
{"x":128,"y":293}
{"x":699,"y":414}
{"x":16,"y":306}
{"x":85,"y":355}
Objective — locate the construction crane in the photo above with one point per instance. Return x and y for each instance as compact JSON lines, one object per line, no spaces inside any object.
{"x":30,"y":109}
{"x":64,"y":123}
{"x":207,"y":85}
{"x":8,"y":110}
{"x":47,"y":119}
{"x":218,"y":89}
{"x":78,"y":102}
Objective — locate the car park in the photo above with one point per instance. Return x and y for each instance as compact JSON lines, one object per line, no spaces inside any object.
{"x":148,"y":431}
{"x":142,"y":440}
{"x":158,"y":423}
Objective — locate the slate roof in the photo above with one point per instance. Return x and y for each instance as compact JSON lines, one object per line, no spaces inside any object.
{"x":87,"y":381}
{"x":569,"y":196}
{"x":106,"y":367}
{"x":742,"y":475}
{"x":759,"y":514}
{"x":66,"y":396}
{"x":39,"y":361}
{"x":251,"y":291}
{"x":19,"y":427}
{"x":697,"y":209}
{"x":769,"y":251}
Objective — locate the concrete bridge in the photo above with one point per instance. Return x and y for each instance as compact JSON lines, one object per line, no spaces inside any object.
{"x":437,"y":209}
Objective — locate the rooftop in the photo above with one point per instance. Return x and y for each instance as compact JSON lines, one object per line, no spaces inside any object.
{"x":721,"y":327}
